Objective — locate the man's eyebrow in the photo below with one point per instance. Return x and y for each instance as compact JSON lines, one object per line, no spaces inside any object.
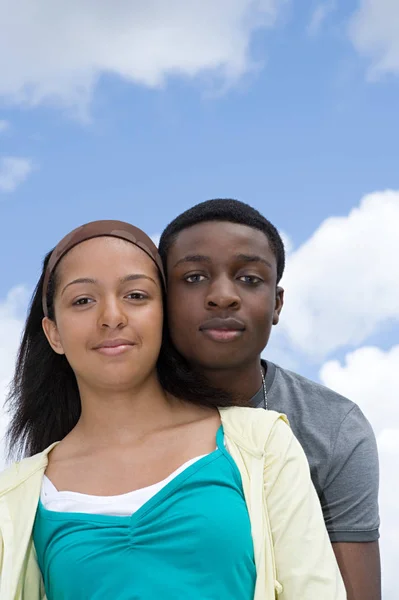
{"x":132,"y":277}
{"x":193,"y":258}
{"x":253,"y":258}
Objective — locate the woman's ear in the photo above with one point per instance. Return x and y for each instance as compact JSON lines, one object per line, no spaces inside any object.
{"x":52,"y":335}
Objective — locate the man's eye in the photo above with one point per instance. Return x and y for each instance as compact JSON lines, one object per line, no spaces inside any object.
{"x":196,"y":278}
{"x":252,"y":279}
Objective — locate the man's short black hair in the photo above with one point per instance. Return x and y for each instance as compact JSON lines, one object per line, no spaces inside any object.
{"x":229,"y":210}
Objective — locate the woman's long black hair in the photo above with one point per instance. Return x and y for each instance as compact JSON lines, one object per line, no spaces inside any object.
{"x":44,"y":399}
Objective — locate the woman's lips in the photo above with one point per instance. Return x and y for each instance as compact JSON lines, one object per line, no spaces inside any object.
{"x":114,"y":350}
{"x":114,"y":347}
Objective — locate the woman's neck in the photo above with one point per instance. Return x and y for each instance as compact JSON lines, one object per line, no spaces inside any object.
{"x":112,"y":416}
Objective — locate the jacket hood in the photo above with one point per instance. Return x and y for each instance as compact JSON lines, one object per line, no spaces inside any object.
{"x":246,"y":426}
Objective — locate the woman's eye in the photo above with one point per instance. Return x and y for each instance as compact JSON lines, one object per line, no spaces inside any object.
{"x":82,"y":301}
{"x":136,"y":296}
{"x":196,"y":278}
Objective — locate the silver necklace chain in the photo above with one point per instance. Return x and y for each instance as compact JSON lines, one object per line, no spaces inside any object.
{"x":264,"y":389}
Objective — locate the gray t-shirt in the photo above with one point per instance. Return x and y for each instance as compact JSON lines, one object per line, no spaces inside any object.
{"x":341,"y":448}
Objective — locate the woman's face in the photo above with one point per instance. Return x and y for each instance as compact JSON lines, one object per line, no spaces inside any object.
{"x":108,"y":313}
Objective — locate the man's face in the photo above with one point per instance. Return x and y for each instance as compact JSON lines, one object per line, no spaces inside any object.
{"x":222,"y":294}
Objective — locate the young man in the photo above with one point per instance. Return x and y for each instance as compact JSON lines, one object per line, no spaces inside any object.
{"x":224,"y":262}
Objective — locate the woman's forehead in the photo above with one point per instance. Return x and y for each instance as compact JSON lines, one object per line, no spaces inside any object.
{"x":106,"y":253}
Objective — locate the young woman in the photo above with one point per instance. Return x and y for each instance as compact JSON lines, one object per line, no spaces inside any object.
{"x":138,"y":485}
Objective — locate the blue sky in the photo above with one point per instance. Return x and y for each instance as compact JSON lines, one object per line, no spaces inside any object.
{"x":136,"y":111}
{"x":302,"y":138}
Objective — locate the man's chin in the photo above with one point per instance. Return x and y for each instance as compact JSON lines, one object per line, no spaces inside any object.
{"x":217,"y":363}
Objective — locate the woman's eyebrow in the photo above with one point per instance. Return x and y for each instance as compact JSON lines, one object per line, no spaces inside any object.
{"x":79,"y":280}
{"x":132,"y":277}
{"x":135,"y":276}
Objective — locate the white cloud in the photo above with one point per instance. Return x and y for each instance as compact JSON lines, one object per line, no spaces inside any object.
{"x":57,"y":54}
{"x":4,"y":125}
{"x":374,"y":32}
{"x":155,"y":238}
{"x":370,"y":377}
{"x":287,"y":241}
{"x":320,"y":15}
{"x":10,"y":332}
{"x":13,"y":172}
{"x":341,"y":284}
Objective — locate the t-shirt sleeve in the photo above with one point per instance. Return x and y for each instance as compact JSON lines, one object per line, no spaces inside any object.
{"x":350,"y":494}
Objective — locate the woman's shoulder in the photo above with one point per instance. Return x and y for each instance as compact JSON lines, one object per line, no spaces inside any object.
{"x":20,"y":471}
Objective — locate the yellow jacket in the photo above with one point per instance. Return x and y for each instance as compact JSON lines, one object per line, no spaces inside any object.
{"x":293,"y":555}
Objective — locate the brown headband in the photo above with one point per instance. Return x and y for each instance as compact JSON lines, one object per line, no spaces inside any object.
{"x":117,"y":229}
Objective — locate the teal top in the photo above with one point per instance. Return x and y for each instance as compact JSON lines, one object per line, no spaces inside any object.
{"x":192,"y":540}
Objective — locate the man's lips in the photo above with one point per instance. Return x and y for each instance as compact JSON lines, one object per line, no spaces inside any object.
{"x":228,"y":324}
{"x":114,"y":347}
{"x":223,"y":330}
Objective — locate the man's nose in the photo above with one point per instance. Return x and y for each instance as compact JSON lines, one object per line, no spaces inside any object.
{"x":223,"y":294}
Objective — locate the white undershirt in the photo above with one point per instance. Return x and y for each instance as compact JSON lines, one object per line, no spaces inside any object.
{"x":123,"y":505}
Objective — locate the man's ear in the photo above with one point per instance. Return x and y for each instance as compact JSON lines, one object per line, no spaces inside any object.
{"x":52,"y":335}
{"x":278,"y":306}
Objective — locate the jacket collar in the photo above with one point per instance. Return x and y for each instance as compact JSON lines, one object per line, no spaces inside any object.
{"x":240,"y":424}
{"x":20,"y":471}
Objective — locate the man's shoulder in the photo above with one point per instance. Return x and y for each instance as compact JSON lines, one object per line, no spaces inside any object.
{"x":318,"y":415}
{"x":295,"y":388}
{"x":341,"y":449}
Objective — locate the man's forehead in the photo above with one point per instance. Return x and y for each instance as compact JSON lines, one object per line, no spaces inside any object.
{"x":220,"y":233}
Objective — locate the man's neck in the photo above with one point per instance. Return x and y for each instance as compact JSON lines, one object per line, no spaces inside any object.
{"x":242,"y":382}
